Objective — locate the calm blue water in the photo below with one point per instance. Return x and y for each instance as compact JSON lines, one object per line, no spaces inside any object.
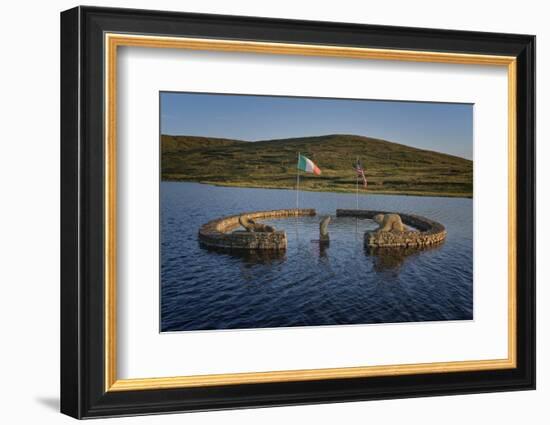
{"x":308,"y":285}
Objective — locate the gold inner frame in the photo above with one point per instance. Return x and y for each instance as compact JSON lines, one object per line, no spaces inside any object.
{"x":113,"y":41}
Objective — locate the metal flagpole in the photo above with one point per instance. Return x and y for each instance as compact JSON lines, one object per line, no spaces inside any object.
{"x":297,"y":196}
{"x":357,"y":184}
{"x":297,"y":181}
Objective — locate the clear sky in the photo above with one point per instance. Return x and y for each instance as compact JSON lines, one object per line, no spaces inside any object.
{"x":442,"y":127}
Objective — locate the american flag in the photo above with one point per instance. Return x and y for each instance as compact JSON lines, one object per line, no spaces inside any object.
{"x":360,"y":172}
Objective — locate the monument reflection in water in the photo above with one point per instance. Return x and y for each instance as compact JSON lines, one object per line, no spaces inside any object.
{"x":310,"y":283}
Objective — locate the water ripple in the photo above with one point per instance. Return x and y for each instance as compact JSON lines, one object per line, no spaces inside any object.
{"x":308,"y":285}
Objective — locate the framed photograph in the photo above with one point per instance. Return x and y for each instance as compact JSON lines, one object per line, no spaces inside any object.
{"x":261,"y":212}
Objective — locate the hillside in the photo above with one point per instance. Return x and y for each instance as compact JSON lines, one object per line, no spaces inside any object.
{"x":390,"y":167}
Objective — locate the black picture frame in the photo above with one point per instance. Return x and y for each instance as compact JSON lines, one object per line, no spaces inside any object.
{"x":83,"y":392}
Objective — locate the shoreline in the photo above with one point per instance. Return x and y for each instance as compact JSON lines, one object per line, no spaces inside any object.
{"x":351,"y":191}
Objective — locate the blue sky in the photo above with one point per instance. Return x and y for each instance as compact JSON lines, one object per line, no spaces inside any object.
{"x":442,"y":127}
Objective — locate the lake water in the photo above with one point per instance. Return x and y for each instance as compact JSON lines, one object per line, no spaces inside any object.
{"x":308,"y":285}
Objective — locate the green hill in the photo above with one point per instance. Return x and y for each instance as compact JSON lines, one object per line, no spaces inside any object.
{"x":390,"y":167}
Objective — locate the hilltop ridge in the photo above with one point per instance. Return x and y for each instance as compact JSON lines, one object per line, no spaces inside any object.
{"x":390,"y":167}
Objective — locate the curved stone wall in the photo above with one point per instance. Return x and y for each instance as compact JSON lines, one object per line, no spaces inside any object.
{"x":219,"y":233}
{"x":428,"y":232}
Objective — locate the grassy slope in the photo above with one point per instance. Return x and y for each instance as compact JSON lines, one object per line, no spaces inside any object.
{"x":390,"y":167}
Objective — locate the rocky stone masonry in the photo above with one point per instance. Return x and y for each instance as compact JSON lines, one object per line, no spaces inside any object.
{"x":428,"y":232}
{"x":219,"y":233}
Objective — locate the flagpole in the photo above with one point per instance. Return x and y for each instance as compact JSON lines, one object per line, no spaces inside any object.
{"x":357,"y":185}
{"x":297,"y":182}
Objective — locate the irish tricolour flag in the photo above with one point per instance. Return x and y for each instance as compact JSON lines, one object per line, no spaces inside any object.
{"x":307,"y":165}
